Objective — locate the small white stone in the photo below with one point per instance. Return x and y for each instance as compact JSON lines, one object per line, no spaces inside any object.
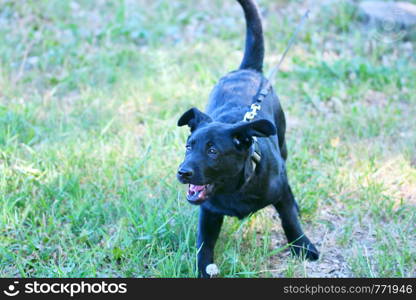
{"x":212,"y":270}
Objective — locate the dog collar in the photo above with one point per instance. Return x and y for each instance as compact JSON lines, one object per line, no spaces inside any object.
{"x":255,"y":154}
{"x":255,"y":158}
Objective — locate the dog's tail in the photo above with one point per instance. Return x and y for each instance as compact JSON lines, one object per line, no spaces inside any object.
{"x":254,"y":48}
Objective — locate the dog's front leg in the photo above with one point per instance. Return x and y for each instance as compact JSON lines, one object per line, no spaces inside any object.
{"x":208,"y":231}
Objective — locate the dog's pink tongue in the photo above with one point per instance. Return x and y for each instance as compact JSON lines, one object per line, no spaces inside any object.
{"x":196,"y":188}
{"x":196,"y":191}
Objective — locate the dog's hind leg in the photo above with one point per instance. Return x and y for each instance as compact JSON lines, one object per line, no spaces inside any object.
{"x":288,"y":212}
{"x":208,"y":231}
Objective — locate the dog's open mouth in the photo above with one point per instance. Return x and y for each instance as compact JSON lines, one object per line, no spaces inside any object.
{"x":197,"y":193}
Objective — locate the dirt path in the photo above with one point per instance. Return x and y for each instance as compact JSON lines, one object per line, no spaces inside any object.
{"x":332,"y":262}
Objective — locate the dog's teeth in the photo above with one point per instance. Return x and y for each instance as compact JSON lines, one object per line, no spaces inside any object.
{"x":196,"y":188}
{"x":197,"y":192}
{"x":202,"y":194}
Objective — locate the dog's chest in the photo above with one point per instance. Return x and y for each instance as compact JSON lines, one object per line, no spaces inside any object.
{"x":235,"y":205}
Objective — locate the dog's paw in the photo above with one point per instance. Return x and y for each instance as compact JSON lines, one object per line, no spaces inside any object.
{"x":305,"y":250}
{"x":212,"y":270}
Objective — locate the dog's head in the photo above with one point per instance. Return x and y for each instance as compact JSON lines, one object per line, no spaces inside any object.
{"x":216,"y":152}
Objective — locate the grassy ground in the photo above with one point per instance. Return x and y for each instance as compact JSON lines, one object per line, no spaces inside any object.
{"x":89,"y":97}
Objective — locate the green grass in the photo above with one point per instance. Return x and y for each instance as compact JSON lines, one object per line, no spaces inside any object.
{"x":89,"y":98}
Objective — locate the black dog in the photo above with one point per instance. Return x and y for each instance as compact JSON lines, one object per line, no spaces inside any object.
{"x":231,"y":172}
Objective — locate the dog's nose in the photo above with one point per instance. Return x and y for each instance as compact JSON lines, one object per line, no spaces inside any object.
{"x":185,"y":173}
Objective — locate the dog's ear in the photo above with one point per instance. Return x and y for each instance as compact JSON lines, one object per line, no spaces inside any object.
{"x":243,"y":132}
{"x":193,"y":118}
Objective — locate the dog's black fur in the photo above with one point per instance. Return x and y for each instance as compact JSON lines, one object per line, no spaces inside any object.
{"x":217,"y":163}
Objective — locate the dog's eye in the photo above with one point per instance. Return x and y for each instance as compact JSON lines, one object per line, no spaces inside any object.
{"x":188,"y":148}
{"x":212,"y":151}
